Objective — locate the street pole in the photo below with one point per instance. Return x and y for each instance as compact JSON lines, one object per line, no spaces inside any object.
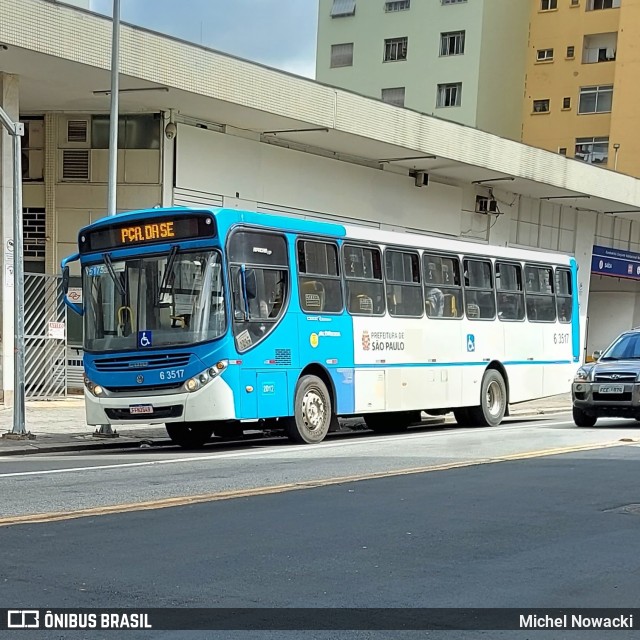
{"x":16,"y":131}
{"x":105,"y":430}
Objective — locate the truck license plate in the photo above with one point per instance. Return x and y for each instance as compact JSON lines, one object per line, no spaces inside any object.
{"x":611,"y":388}
{"x":140,"y":408}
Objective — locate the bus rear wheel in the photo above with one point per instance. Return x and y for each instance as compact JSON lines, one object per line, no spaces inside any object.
{"x":493,"y":398}
{"x":313,"y":413}
{"x":392,"y":422}
{"x":190,"y":435}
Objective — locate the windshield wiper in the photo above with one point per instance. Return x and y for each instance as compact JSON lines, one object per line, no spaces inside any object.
{"x":112,"y":273}
{"x":168,"y":270}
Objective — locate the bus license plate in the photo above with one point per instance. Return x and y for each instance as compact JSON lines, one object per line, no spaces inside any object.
{"x":140,"y":408}
{"x":611,"y":388}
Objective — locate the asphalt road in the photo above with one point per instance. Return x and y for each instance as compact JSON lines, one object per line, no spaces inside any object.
{"x":495,"y":520}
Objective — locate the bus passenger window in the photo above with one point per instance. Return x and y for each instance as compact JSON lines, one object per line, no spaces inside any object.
{"x":363,"y":274}
{"x":259,"y":289}
{"x":319,"y":284}
{"x":541,"y":302}
{"x":443,"y":290}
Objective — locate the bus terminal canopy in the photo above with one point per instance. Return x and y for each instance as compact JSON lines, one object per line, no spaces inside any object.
{"x":67,"y":68}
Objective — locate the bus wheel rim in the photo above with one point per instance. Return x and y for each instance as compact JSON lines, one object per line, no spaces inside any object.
{"x":314,"y":410}
{"x":494,"y":398}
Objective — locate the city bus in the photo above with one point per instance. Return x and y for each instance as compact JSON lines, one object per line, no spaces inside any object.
{"x":215,"y":321}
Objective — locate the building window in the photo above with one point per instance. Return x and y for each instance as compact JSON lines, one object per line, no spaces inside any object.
{"x":548,"y":5}
{"x":453,"y":1}
{"x":596,"y":99}
{"x":395,"y":49}
{"x":32,"y":149}
{"x":562,"y":151}
{"x":343,"y":8}
{"x":575,"y":3}
{"x":566,"y":103}
{"x":449,"y":95}
{"x":394,"y":96}
{"x":571,"y":52}
{"x":342,"y":55}
{"x":592,"y":150}
{"x":399,"y":5}
{"x":544,"y":55}
{"x":595,"y":5}
{"x":452,"y":43}
{"x":141,"y":131}
{"x":541,"y":106}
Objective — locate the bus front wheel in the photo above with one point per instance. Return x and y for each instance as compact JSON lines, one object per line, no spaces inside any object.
{"x":493,"y":396}
{"x":312,"y":412}
{"x":190,"y":435}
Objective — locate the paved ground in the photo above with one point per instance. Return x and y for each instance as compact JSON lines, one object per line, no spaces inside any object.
{"x":544,"y":532}
{"x":60,"y":426}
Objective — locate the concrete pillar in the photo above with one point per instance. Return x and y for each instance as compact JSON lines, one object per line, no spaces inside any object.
{"x":9,"y":94}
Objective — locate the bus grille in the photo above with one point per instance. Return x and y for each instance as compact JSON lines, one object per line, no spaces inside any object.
{"x":142,"y":363}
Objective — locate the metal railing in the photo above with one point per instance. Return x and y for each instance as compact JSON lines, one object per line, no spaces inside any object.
{"x":45,"y":320}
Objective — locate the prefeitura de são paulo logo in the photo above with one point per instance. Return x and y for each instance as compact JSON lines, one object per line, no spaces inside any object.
{"x":366,"y":341}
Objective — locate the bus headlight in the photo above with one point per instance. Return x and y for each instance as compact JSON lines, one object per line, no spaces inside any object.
{"x":95,"y":389}
{"x":199,"y":381}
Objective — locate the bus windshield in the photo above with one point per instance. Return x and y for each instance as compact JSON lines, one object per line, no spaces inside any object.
{"x":173,"y":299}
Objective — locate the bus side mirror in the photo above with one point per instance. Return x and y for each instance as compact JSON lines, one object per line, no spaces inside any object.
{"x":65,"y":279}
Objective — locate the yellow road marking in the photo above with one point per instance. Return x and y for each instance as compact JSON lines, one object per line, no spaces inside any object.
{"x":181,"y":501}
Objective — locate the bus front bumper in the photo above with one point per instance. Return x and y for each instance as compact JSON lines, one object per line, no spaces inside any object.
{"x":211,"y":403}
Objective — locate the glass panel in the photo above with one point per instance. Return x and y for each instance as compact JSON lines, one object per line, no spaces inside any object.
{"x":477,"y":274}
{"x":176,"y":299}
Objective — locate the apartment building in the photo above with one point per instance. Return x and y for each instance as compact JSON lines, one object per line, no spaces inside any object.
{"x":462,"y":60}
{"x":582,"y":83}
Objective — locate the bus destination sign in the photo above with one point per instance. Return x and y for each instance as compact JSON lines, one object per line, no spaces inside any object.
{"x":156,"y":230}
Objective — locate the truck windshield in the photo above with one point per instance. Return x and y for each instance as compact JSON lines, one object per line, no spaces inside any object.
{"x":174,"y":299}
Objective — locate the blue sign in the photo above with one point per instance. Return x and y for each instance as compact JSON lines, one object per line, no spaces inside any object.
{"x":471,"y":342}
{"x":145,"y":339}
{"x":615,"y":262}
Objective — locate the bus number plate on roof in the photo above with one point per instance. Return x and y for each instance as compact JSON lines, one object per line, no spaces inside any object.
{"x":140,"y":408}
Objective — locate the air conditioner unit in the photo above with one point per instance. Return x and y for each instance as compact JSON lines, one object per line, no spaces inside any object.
{"x":485,"y":204}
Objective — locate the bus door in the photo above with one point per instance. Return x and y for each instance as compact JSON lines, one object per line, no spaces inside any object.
{"x":264,"y":335}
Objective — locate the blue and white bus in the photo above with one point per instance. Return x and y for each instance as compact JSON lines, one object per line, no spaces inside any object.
{"x":215,"y":321}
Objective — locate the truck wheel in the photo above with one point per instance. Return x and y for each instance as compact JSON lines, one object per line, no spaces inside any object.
{"x":392,"y":422}
{"x":493,"y":398}
{"x":190,"y":435}
{"x":583,"y":419}
{"x":313,"y":413}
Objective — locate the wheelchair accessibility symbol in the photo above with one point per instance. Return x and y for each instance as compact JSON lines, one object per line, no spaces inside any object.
{"x":145,"y":339}
{"x":471,"y":342}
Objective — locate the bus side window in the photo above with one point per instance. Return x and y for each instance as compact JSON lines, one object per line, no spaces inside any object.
{"x":319,"y":283}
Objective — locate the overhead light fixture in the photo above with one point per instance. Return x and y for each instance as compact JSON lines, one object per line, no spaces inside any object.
{"x":387,"y":160}
{"x":107,"y":92}
{"x":564,"y":197}
{"x":273,"y":133}
{"x":506,"y":178}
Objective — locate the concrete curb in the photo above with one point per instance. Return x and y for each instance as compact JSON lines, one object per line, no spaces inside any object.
{"x":131,"y":442}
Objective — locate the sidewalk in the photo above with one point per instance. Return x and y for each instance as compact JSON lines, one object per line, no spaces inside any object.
{"x":60,"y":425}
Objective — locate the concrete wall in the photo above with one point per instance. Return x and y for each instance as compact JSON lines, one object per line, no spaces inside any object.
{"x":491,"y":81}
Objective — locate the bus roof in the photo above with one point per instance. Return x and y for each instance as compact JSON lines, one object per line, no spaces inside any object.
{"x":227,"y":218}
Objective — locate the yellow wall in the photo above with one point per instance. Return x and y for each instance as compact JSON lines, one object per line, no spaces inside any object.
{"x":625,"y":121}
{"x":562,"y":78}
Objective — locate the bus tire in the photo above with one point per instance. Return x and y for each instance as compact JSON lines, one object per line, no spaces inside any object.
{"x":493,"y":396}
{"x":313,"y":413}
{"x":190,"y":435}
{"x":391,"y":422}
{"x":583,"y":419}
